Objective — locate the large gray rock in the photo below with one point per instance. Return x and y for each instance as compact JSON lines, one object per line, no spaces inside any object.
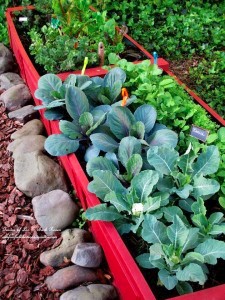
{"x":16,"y":97}
{"x":7,"y":80}
{"x":36,"y":174}
{"x":24,"y":114}
{"x":88,"y":255}
{"x":71,"y":237}
{"x":70,"y":277}
{"x":54,"y":210}
{"x":91,"y":292}
{"x":26,"y":144}
{"x":34,"y":127}
{"x":6,"y":59}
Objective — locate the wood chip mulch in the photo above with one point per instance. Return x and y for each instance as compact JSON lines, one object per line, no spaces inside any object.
{"x":21,"y":241}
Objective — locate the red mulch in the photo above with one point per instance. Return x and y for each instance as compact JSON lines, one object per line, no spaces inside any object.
{"x":21,"y":274}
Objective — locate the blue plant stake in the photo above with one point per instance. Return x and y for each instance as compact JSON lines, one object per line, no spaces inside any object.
{"x":155,"y":56}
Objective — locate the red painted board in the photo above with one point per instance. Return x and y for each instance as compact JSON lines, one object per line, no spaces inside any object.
{"x":127,"y":277}
{"x":215,"y":293}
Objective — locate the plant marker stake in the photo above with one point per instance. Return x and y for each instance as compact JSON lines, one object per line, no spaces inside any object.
{"x":101,"y":54}
{"x":54,"y":23}
{"x":155,"y":56}
{"x":23,"y":19}
{"x":84,"y":65}
{"x":123,"y":30}
{"x":199,"y":133}
{"x":125,"y":96}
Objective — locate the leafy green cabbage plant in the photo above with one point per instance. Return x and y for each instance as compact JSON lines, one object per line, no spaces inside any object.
{"x":181,"y":178}
{"x":180,"y":246}
{"x":52,"y":91}
{"x":185,"y":175}
{"x":126,"y":205}
{"x":219,"y":139}
{"x":121,"y":123}
{"x":73,"y":101}
{"x":179,"y":252}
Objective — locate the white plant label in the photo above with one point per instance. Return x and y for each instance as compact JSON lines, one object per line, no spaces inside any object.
{"x":23,"y":19}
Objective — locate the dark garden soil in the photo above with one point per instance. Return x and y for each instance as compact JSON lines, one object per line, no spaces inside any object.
{"x":181,"y":69}
{"x":21,"y":274}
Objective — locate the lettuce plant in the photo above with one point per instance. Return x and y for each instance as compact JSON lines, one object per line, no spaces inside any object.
{"x":175,"y":108}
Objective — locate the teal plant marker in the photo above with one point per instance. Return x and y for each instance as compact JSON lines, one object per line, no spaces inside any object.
{"x":155,"y":56}
{"x":54,"y":23}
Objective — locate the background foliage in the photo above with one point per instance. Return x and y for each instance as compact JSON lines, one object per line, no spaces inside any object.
{"x":173,"y":28}
{"x":3,"y":6}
